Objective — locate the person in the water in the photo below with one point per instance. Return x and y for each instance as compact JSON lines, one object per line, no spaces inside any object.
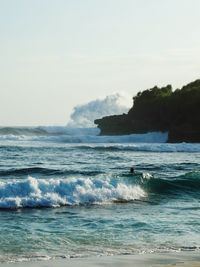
{"x":132,"y":170}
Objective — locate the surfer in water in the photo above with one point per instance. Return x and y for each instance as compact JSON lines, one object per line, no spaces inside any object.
{"x":132,"y":170}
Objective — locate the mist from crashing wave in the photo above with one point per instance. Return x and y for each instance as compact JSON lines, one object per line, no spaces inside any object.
{"x":84,"y":115}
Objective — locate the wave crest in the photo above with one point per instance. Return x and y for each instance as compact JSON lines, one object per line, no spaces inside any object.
{"x":84,"y":135}
{"x":38,"y":193}
{"x":188,"y":183}
{"x":32,"y":192}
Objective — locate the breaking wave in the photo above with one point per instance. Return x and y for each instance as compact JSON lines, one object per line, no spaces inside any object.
{"x":38,"y":193}
{"x":155,"y":145}
{"x":84,"y":115}
{"x":75,"y":135}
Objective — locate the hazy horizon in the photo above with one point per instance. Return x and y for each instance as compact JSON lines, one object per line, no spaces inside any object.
{"x":56,"y":55}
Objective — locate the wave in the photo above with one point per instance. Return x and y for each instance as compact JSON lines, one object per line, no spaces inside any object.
{"x":44,"y":171}
{"x":22,"y":131}
{"x":37,"y":193}
{"x":188,"y":183}
{"x":32,"y":192}
{"x":143,"y":147}
{"x":75,"y":135}
{"x":109,"y":147}
{"x":47,"y":130}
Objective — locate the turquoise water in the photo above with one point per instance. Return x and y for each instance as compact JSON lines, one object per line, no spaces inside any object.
{"x":61,"y":199}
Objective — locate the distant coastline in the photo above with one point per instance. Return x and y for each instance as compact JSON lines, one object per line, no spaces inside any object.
{"x":160,"y":110}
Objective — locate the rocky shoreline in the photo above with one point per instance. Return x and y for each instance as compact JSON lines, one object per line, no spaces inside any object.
{"x":160,"y":109}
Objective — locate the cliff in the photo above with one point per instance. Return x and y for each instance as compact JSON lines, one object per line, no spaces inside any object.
{"x":160,"y":109}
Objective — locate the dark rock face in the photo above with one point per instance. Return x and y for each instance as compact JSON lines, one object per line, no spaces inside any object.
{"x":160,"y":109}
{"x":115,"y":125}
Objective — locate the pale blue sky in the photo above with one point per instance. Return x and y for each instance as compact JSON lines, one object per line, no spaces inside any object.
{"x":55,"y":54}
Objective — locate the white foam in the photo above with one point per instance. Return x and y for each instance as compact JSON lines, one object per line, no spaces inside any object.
{"x":32,"y":192}
{"x":84,"y":115}
{"x":87,"y":135}
{"x":149,"y":142}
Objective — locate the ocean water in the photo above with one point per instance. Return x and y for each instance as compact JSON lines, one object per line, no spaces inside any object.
{"x":68,"y":193}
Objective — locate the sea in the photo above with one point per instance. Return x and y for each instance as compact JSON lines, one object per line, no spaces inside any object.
{"x":68,"y":193}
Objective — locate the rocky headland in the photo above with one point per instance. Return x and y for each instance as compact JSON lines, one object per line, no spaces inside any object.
{"x":160,"y":109}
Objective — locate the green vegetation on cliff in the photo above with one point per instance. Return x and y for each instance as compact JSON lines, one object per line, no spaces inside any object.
{"x":160,"y":109}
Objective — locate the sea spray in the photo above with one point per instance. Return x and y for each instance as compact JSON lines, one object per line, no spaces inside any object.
{"x":84,"y":115}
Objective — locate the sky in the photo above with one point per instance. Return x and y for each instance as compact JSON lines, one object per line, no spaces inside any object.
{"x":56,"y":54}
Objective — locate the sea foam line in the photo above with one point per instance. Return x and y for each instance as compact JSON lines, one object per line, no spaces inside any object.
{"x":76,"y":136}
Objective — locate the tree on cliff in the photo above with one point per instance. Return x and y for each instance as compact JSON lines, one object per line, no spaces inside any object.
{"x":160,"y":109}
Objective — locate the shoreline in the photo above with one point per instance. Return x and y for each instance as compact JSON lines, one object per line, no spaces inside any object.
{"x":179,"y":259}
